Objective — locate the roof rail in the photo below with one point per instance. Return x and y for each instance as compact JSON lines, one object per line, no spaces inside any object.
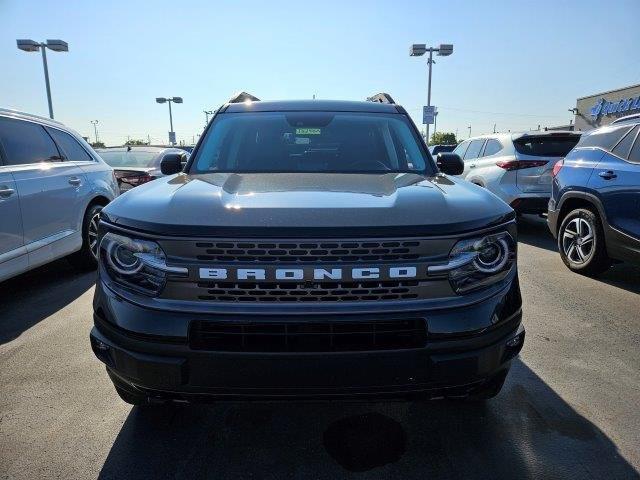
{"x":29,"y":115}
{"x":240,"y":97}
{"x":624,"y":119}
{"x":381,"y":98}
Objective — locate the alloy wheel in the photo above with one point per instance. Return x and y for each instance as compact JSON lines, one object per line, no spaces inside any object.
{"x":92,"y":233}
{"x":578,"y":241}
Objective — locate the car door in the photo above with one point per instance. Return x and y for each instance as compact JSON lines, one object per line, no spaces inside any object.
{"x":13,"y":258}
{"x":616,"y":181}
{"x":48,"y":189}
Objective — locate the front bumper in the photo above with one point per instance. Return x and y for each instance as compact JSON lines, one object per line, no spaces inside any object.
{"x":489,"y":335}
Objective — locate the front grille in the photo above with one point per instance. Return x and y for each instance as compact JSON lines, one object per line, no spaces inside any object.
{"x":306,"y":251}
{"x":300,"y":292}
{"x":332,"y":336}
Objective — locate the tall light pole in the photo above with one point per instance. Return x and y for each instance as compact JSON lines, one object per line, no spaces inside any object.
{"x":172,"y":134}
{"x":33,"y":46}
{"x":207,"y":113}
{"x":95,"y":128}
{"x":419,"y":49}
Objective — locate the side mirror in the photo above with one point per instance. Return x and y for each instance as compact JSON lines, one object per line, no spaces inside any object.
{"x":171,"y":163}
{"x":450,"y":163}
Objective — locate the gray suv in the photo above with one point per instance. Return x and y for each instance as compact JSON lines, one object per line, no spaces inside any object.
{"x":307,"y":249}
{"x":52,"y":188}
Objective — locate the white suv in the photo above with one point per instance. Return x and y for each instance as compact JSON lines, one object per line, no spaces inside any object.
{"x":52,"y":188}
{"x":516,"y":167}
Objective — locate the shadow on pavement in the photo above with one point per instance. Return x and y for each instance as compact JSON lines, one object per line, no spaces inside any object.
{"x":533,"y":231}
{"x":528,"y":431}
{"x":31,"y":297}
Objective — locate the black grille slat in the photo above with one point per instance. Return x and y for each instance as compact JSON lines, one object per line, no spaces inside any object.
{"x":300,"y":292}
{"x":304,"y":251}
{"x":332,"y":336}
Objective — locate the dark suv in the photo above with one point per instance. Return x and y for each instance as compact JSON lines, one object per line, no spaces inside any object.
{"x":307,"y":249}
{"x":594,"y":209}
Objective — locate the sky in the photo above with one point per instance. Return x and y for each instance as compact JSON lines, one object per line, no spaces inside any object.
{"x":515,"y":64}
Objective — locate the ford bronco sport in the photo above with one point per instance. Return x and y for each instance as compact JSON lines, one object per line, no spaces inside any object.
{"x":308,"y":249}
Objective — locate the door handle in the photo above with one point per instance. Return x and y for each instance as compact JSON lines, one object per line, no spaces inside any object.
{"x":6,"y":192}
{"x":75,"y":181}
{"x":607,"y":175}
{"x":473,"y":165}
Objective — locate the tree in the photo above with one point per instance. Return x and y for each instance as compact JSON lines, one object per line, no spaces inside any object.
{"x":443,"y":138}
{"x":97,"y":145}
{"x":135,"y":142}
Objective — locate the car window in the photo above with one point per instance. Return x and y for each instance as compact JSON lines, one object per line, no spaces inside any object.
{"x":26,"y":142}
{"x":132,"y":158}
{"x":474,"y":149}
{"x":605,"y":137}
{"x":461,"y":149}
{"x":624,"y":146}
{"x":546,"y":145}
{"x":70,"y":146}
{"x":634,"y":155}
{"x":321,"y":142}
{"x":493,"y":146}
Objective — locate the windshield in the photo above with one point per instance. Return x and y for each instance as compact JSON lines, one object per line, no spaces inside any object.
{"x":133,"y":158}
{"x":323,"y":142}
{"x":546,"y":146}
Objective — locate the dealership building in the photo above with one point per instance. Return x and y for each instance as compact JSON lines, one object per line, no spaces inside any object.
{"x":603,"y":108}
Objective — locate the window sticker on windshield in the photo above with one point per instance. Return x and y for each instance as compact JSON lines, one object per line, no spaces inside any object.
{"x":307,"y":131}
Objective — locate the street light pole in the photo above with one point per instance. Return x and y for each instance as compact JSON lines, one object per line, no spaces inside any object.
{"x":33,"y":46}
{"x":172,"y":134}
{"x":46,"y":79}
{"x":95,"y":128}
{"x":207,"y":113}
{"x":419,"y":49}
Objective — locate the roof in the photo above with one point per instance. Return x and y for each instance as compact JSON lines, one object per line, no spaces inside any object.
{"x":311,"y":106}
{"x":30,"y":116}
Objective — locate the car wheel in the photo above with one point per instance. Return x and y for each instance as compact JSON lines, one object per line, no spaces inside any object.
{"x":581,"y":243}
{"x":87,"y":257}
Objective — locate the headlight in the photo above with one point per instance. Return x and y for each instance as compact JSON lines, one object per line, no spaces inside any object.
{"x":479,"y":262}
{"x":139,"y":265}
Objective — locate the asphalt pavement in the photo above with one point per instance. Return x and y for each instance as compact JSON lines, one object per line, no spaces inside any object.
{"x":569,"y":408}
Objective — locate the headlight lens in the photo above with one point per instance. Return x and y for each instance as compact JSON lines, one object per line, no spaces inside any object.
{"x":136,"y":264}
{"x":479,"y":262}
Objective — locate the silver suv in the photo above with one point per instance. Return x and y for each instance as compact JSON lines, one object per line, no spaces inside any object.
{"x":516,"y":167}
{"x":52,"y":188}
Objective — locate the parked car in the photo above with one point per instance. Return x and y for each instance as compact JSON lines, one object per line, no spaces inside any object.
{"x":436,"y":149}
{"x":52,"y":189}
{"x":137,"y":165}
{"x":594,"y":211}
{"x":516,"y":166}
{"x":308,"y":249}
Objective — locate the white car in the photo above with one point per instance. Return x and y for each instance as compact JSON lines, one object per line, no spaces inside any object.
{"x":52,"y":189}
{"x":516,"y":167}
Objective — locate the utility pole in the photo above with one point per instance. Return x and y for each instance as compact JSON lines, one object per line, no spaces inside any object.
{"x":494,"y":128}
{"x":469,"y":127}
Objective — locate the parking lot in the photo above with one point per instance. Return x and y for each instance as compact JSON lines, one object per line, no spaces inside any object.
{"x":569,"y":409}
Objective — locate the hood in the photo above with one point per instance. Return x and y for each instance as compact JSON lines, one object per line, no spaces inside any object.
{"x":255,"y":204}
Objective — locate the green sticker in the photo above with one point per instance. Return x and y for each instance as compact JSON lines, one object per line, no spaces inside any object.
{"x":307,"y":131}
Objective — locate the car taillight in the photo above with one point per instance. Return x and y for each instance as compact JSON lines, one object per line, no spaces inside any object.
{"x":557,"y":167}
{"x":520,"y":164}
{"x":135,"y":180}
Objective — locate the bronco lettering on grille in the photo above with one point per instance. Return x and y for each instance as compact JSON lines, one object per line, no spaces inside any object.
{"x":303,"y":274}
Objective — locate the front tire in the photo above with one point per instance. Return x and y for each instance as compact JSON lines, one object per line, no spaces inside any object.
{"x":581,"y":243}
{"x":87,"y":257}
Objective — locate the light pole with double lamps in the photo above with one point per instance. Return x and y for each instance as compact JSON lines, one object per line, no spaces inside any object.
{"x":172,"y":134}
